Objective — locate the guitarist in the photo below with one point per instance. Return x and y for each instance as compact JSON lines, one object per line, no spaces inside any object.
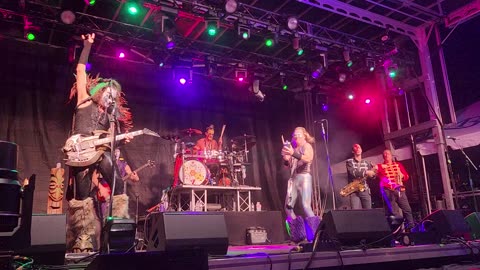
{"x":96,"y":98}
{"x":392,"y":174}
{"x":358,"y":168}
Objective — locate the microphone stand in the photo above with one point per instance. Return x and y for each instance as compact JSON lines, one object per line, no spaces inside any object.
{"x":470,"y":180}
{"x":111,"y":111}
{"x":330,"y":174}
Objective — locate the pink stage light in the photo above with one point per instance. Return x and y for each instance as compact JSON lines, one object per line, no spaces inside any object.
{"x":182,"y":81}
{"x":121,"y":55}
{"x":368,"y":101}
{"x":240,"y":79}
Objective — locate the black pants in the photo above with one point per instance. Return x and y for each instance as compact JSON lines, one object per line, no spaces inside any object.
{"x":394,"y":198}
{"x":83,"y":177}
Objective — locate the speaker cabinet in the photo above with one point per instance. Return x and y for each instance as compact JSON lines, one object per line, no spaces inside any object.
{"x":48,"y":239}
{"x":171,"y":231}
{"x":357,"y":227}
{"x":447,"y":223}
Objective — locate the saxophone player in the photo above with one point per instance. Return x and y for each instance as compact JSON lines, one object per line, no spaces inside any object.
{"x":360,"y":169}
{"x":391,"y":175}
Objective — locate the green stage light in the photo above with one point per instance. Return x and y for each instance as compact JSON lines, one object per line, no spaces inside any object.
{"x":30,"y":36}
{"x":392,"y":73}
{"x":299,"y":51}
{"x":284,"y":87}
{"x":269,"y":42}
{"x":349,"y":63}
{"x":212,"y":31}
{"x":92,"y":2}
{"x":245,"y":35}
{"x":132,"y":8}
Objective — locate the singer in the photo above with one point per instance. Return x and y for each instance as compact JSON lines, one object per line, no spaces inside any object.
{"x":299,"y":156}
{"x":96,"y":99}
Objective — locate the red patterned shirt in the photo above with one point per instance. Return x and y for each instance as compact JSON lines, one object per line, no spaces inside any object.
{"x":388,"y":174}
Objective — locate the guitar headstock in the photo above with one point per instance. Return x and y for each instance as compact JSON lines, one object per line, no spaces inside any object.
{"x":151,"y":163}
{"x":147,"y":131}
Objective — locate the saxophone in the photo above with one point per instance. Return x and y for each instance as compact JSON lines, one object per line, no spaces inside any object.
{"x":354,"y":186}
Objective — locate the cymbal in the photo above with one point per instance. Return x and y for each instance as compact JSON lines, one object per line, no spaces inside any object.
{"x":241,"y":146}
{"x":242,"y":138}
{"x":190,"y":132}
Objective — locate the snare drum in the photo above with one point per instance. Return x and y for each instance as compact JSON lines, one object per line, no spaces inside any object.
{"x":194,"y":172}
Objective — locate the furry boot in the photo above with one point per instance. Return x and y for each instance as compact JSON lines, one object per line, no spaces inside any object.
{"x":297,"y":229}
{"x":311,"y":226}
{"x":120,"y":206}
{"x":81,"y":225}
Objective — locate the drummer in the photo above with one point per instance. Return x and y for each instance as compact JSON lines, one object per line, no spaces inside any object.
{"x":208,"y":144}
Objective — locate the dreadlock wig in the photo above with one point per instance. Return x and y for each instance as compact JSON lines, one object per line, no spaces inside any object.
{"x":96,"y":86}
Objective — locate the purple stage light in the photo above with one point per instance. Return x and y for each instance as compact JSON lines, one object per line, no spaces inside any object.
{"x":121,"y":55}
{"x":170,"y":45}
{"x":88,"y":67}
{"x":182,"y":81}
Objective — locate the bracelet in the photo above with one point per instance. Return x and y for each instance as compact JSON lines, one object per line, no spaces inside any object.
{"x":297,"y":155}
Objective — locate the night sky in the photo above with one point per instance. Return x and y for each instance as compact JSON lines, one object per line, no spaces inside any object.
{"x":462,"y":56}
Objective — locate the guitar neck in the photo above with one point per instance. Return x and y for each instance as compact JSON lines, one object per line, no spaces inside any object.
{"x":118,"y":137}
{"x":135,"y":171}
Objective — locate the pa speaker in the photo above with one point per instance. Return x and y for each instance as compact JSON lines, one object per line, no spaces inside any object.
{"x":473,"y":220}
{"x":356,"y":227}
{"x":48,"y":239}
{"x":171,"y":231}
{"x":444,"y":223}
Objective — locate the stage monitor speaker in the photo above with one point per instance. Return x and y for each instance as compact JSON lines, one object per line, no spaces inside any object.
{"x":187,"y":230}
{"x":473,"y":220}
{"x":357,"y":227}
{"x":165,"y":260}
{"x":447,"y":223}
{"x":48,"y":239}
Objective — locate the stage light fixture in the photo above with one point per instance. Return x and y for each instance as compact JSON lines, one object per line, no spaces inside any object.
{"x":90,"y":2}
{"x":31,"y":31}
{"x":350,"y":96}
{"x":368,"y":101}
{"x":271,"y":39}
{"x":283,"y":81}
{"x":342,"y":77}
{"x":292,"y":23}
{"x":231,"y":6}
{"x":67,"y":17}
{"x":255,"y":89}
{"x":212,"y":26}
{"x":393,"y":71}
{"x":182,"y":73}
{"x":243,"y":31}
{"x":318,"y":71}
{"x":297,"y":46}
{"x":241,"y":73}
{"x":132,"y":7}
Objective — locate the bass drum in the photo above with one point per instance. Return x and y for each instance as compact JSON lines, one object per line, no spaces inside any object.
{"x":194,"y":172}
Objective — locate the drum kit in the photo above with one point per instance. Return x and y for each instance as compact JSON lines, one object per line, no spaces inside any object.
{"x":223,"y":167}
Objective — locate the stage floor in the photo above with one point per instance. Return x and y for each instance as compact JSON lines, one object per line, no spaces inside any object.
{"x":456,"y":256}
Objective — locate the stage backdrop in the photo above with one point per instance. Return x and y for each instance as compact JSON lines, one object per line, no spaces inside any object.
{"x":35,"y":113}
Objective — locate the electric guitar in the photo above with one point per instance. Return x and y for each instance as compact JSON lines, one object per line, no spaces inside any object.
{"x":85,"y":150}
{"x":104,"y":189}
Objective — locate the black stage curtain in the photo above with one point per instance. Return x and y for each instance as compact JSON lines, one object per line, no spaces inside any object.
{"x":35,"y":114}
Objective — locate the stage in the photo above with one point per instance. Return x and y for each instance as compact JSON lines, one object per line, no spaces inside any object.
{"x":262,"y":257}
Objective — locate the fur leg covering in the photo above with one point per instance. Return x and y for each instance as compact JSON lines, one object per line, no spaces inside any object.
{"x":311,"y":226}
{"x":81,"y":225}
{"x":297,"y":229}
{"x":120,"y":206}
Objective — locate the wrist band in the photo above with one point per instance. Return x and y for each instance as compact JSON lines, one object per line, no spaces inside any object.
{"x":297,"y":155}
